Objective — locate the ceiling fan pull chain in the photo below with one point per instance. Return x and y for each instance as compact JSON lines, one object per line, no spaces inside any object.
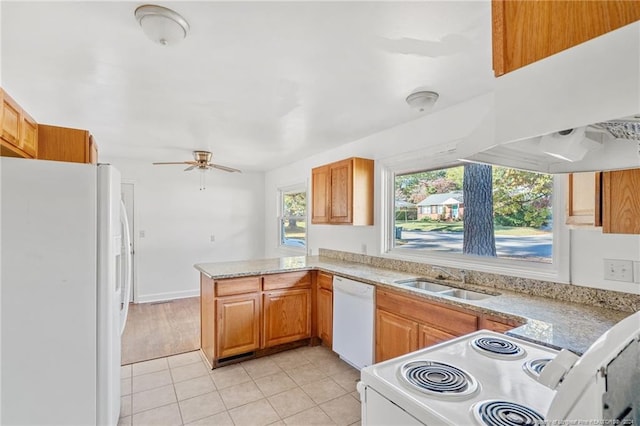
{"x":202,"y":181}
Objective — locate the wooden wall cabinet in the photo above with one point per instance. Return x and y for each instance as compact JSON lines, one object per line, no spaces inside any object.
{"x":325,"y":308}
{"x":621,"y":202}
{"x":405,"y":323}
{"x":607,"y":199}
{"x":342,"y":192}
{"x":525,"y":31}
{"x":584,"y":201}
{"x":19,"y":137}
{"x":65,"y":144}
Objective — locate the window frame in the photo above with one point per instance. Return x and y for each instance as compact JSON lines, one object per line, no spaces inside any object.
{"x":282,"y":191}
{"x":558,"y":270}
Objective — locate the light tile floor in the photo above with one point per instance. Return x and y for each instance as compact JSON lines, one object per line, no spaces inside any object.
{"x":308,"y":385}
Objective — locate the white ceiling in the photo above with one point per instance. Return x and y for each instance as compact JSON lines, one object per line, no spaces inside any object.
{"x":260,"y":84}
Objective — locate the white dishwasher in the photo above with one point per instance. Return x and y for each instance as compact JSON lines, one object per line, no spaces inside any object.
{"x":353,"y":316}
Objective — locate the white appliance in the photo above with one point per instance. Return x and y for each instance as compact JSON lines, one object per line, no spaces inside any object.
{"x":486,"y":378}
{"x":353,"y":316}
{"x":65,"y":277}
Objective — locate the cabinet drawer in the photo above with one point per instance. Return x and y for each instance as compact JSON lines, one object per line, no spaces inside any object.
{"x":325,"y":281}
{"x":455,"y":321}
{"x":286,"y":280}
{"x":232,"y":286}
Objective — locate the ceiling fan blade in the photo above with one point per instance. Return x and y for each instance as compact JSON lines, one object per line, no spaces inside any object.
{"x":225,"y":168}
{"x":190,"y":168}
{"x":181,"y":162}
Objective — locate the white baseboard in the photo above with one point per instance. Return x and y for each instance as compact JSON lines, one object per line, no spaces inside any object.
{"x":161,"y":297}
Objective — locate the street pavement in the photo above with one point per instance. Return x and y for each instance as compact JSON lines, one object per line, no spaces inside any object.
{"x":538,"y":247}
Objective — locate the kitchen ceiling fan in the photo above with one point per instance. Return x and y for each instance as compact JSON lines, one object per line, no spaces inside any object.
{"x":202,"y":161}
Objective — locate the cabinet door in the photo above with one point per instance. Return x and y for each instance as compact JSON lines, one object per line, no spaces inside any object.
{"x":238,"y":324}
{"x":525,"y":31}
{"x":395,"y":335}
{"x":325,"y":316}
{"x":287,"y":316}
{"x":430,"y":336}
{"x":29,"y":135}
{"x":621,"y":204}
{"x":63,"y":144}
{"x":341,"y":190}
{"x":10,"y":121}
{"x":320,"y":195}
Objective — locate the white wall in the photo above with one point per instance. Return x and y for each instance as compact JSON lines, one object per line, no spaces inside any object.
{"x":407,"y":140}
{"x":598,"y":82}
{"x":178,"y":220}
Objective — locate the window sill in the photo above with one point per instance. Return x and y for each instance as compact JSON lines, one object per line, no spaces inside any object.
{"x":514,"y":268}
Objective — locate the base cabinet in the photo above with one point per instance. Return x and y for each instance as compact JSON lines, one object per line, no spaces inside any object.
{"x":407,"y":323}
{"x":325,"y":308}
{"x":238,"y":324}
{"x":241,"y":317}
{"x":287,"y":316}
{"x":395,"y":335}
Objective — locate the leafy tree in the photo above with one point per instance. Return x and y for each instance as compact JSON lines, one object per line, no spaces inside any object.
{"x":294,"y":205}
{"x":521,"y":198}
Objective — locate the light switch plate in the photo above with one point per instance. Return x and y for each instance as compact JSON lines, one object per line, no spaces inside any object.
{"x":618,"y":270}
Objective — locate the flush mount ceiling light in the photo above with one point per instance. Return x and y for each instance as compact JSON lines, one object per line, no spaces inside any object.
{"x":422,"y":100}
{"x":161,"y":25}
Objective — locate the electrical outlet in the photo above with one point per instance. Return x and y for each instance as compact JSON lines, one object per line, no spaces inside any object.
{"x":142,"y":234}
{"x":212,"y":238}
{"x":618,"y":270}
{"x":363,"y":248}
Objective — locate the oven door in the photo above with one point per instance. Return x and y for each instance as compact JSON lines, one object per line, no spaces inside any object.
{"x":379,"y":411}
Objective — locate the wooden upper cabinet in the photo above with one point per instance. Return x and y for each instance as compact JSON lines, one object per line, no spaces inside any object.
{"x":19,"y":135}
{"x":620,"y":202}
{"x":320,"y":195}
{"x":525,"y":31}
{"x":584,"y":205}
{"x":342,"y":192}
{"x":66,"y":144}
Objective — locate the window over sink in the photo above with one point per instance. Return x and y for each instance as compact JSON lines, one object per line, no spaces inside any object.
{"x":496,"y":219}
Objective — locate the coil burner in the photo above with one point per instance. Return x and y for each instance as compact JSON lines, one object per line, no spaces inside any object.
{"x":534,"y":367}
{"x":505,"y":413}
{"x":438,"y":379}
{"x":497,"y":347}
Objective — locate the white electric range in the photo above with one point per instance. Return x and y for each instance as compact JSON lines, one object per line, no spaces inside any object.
{"x":487,"y":378}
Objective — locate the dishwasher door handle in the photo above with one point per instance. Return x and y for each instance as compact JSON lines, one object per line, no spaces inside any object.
{"x":354,"y":289}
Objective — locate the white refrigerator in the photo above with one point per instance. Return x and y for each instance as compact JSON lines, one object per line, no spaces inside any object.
{"x":65,"y":277}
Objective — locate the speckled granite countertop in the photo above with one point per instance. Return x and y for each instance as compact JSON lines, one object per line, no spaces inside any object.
{"x":546,"y":321}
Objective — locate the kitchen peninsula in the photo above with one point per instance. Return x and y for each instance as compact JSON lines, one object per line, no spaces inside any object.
{"x":244,"y":290}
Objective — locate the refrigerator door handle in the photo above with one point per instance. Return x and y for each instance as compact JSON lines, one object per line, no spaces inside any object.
{"x":127,"y":272}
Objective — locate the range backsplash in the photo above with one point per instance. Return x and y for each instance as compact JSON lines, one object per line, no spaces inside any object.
{"x":618,"y":300}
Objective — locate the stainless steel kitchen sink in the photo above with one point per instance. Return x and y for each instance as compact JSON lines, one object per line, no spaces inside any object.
{"x":425,"y":285}
{"x":431,"y":287}
{"x":465,"y":294}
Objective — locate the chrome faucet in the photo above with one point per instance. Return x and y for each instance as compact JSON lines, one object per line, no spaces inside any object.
{"x":462,"y":277}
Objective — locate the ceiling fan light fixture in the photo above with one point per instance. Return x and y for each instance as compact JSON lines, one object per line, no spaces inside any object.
{"x":161,"y":25}
{"x":422,"y":100}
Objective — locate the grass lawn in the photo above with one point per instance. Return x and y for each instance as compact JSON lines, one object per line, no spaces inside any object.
{"x":418,"y":225}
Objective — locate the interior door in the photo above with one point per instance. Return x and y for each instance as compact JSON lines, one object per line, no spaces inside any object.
{"x":128,"y":200}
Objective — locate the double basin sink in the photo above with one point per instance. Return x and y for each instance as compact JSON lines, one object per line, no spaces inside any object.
{"x":445,"y":290}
